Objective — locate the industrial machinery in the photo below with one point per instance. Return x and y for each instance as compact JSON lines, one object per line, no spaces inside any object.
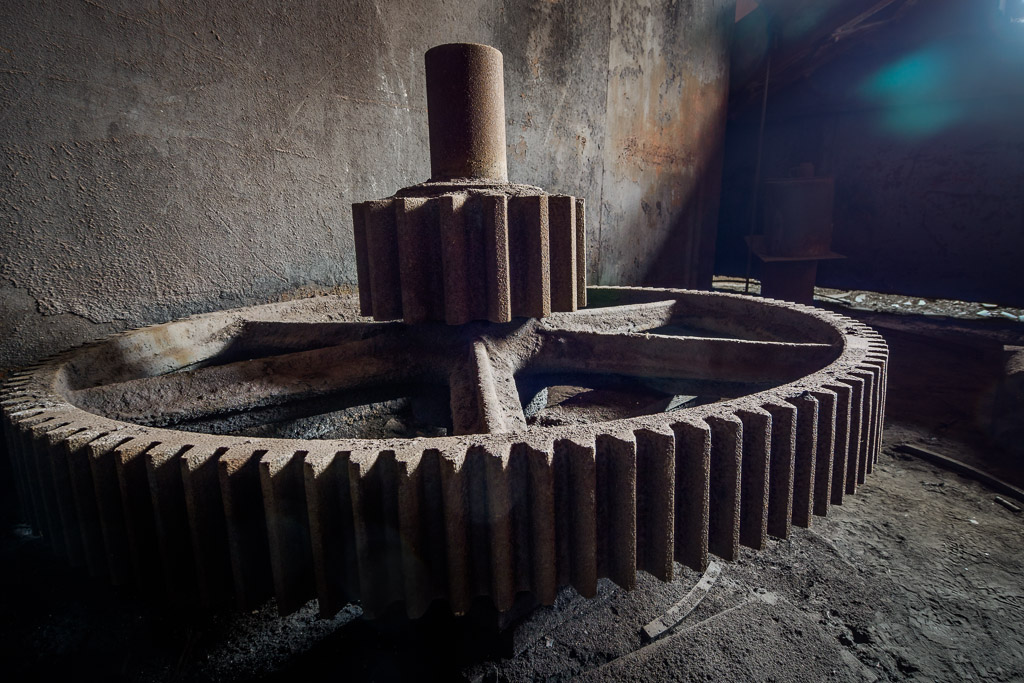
{"x":496,"y":429}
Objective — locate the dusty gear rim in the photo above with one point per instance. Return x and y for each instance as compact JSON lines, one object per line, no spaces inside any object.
{"x":202,"y":518}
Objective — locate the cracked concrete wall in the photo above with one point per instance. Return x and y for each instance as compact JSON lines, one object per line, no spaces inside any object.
{"x":162,"y":158}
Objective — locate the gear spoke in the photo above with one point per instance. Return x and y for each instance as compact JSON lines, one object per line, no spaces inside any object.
{"x":699,"y":358}
{"x":251,"y":384}
{"x":484,"y":397}
{"x":270,"y":337}
{"x":614,"y":319}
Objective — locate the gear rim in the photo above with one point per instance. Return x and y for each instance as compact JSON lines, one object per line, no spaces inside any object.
{"x":467,"y":545}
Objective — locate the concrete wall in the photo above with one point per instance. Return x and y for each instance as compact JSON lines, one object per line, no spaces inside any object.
{"x":920,"y":125}
{"x":162,"y":158}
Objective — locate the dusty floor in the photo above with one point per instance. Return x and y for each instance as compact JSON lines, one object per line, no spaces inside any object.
{"x":920,"y":576}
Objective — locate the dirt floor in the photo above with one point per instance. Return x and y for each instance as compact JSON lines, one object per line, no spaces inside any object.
{"x":919,"y":576}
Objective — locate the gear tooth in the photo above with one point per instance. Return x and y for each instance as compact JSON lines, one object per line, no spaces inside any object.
{"x":206,"y":522}
{"x":842,"y":448}
{"x":726,"y":455}
{"x":238,"y":471}
{"x":562,"y":244}
{"x":496,"y":257}
{"x":478,"y":526}
{"x":500,"y":524}
{"x":520,"y":539}
{"x":781,"y":467}
{"x":414,"y":528}
{"x":12,"y":400}
{"x":581,"y":253}
{"x":382,"y":248}
{"x":692,"y":492}
{"x":882,"y":392}
{"x":419,"y":259}
{"x":374,"y":486}
{"x":458,"y":259}
{"x":21,"y":411}
{"x":757,"y":435}
{"x":542,"y":513}
{"x":21,"y":445}
{"x":804,"y":459}
{"x":855,"y":430}
{"x":824,"y":450}
{"x":137,"y":510}
{"x":409,"y":488}
{"x":54,"y":449}
{"x":869,"y":415}
{"x":616,"y":508}
{"x":359,"y":223}
{"x":576,"y":535}
{"x":879,"y":418}
{"x":15,"y":456}
{"x":655,"y":500}
{"x":454,"y":489}
{"x":331,"y":531}
{"x":529,"y":256}
{"x":427,"y":523}
{"x":879,"y":367}
{"x":14,"y":387}
{"x":109,"y":510}
{"x":284,"y":504}
{"x":42,"y":471}
{"x":477,"y":276}
{"x":15,"y":413}
{"x":76,"y":459}
{"x":170,"y":517}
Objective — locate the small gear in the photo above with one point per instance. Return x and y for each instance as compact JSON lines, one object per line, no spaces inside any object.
{"x":467,"y":244}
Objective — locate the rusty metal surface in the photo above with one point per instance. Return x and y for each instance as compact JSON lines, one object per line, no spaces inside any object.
{"x":516,"y":508}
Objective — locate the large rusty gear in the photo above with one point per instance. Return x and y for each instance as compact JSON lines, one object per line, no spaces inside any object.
{"x":107,"y":473}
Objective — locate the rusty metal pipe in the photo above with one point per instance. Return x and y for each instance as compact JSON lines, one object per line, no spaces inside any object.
{"x":466,"y":112}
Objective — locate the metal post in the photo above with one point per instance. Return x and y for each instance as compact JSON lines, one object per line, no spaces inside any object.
{"x":466,"y":113}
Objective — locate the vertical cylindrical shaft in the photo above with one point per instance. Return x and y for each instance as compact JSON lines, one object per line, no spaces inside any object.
{"x":466,"y":112}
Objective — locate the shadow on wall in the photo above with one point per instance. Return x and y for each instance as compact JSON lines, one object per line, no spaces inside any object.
{"x":686,"y":258}
{"x":666,"y":120}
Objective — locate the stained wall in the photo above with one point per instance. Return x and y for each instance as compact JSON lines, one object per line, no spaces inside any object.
{"x":162,"y":158}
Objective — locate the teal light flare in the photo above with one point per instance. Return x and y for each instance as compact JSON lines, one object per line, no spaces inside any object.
{"x":914,"y":94}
